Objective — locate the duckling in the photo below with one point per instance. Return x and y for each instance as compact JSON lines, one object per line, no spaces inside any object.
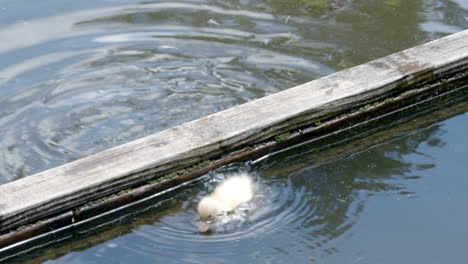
{"x":226,"y":197}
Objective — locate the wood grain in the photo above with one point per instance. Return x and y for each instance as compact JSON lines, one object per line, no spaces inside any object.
{"x":70,"y":185}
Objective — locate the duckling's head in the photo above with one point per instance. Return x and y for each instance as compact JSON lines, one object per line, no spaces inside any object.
{"x":208,"y":209}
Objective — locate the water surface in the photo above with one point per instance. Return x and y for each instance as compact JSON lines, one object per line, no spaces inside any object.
{"x":78,"y":77}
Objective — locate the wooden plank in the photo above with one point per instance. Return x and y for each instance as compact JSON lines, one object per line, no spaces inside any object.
{"x":75,"y":183}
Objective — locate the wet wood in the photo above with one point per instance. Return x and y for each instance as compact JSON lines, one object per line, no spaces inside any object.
{"x":63,"y":188}
{"x":34,"y":230}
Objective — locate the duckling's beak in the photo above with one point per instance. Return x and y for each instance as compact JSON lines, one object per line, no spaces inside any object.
{"x":203,"y":227}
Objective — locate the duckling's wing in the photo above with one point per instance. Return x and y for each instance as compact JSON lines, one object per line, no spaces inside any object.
{"x":234,"y":191}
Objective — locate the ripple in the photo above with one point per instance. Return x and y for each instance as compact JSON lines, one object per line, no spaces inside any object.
{"x":280,"y":208}
{"x":439,"y":27}
{"x":84,"y":91}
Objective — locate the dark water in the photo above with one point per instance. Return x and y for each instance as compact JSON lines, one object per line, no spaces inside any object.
{"x":77,"y":77}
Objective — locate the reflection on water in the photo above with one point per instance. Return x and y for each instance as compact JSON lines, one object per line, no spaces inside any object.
{"x":95,"y":75}
{"x":87,"y":76}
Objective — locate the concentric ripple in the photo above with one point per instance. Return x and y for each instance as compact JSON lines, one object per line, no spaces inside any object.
{"x":108,"y":76}
{"x":281,"y":207}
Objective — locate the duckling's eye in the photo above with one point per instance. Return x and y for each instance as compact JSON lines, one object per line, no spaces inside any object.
{"x":209,"y":216}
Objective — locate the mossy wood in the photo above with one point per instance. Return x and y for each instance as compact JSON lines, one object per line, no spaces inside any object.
{"x":66,"y":187}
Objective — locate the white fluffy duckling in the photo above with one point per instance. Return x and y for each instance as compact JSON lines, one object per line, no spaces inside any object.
{"x":226,"y":197}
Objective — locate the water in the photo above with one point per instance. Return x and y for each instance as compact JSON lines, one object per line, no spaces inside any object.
{"x":78,"y":77}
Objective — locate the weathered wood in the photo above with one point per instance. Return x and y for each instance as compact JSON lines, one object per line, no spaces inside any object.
{"x":75,"y":183}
